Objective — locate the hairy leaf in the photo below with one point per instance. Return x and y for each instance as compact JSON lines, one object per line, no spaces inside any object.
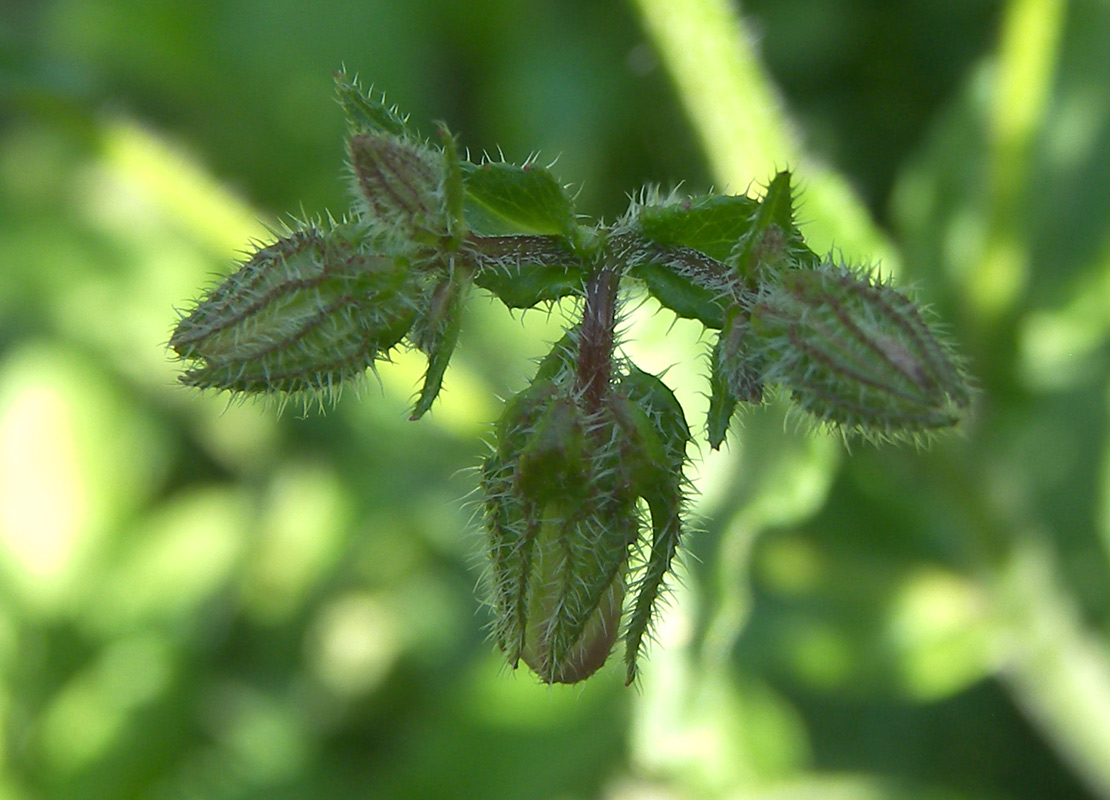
{"x":502,"y":199}
{"x":366,"y":114}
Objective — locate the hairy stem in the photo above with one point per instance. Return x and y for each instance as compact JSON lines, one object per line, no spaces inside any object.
{"x":518,"y":249}
{"x":595,"y":348}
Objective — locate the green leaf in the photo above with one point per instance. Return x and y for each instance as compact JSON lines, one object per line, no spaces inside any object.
{"x":511,"y":541}
{"x":505,"y":199}
{"x":772,"y":241}
{"x":722,"y":402}
{"x":364,"y":113}
{"x":524,"y":271}
{"x":525,"y":288}
{"x":452,"y":182}
{"x":439,"y":339}
{"x":663,"y":411}
{"x":736,"y":373}
{"x":677,"y":292}
{"x":665,"y":507}
{"x":653,"y":423}
{"x":731,"y":228}
{"x":777,"y":206}
{"x":560,"y":360}
{"x":711,"y":224}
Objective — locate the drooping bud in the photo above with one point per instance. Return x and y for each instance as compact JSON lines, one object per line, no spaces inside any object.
{"x":304,"y":314}
{"x":857,"y":354}
{"x":559,"y":537}
{"x":562,"y":491}
{"x":572,"y":627}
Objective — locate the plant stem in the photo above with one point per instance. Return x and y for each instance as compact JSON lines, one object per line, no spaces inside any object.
{"x":740,"y":121}
{"x":595,"y":348}
{"x":1057,"y":671}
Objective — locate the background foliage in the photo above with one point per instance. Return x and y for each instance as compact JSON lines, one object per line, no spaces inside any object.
{"x":208,"y":601}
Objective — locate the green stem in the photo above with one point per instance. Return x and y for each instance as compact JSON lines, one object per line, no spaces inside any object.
{"x":1057,"y":672}
{"x":528,"y":248}
{"x":739,"y":118}
{"x":734,"y":108}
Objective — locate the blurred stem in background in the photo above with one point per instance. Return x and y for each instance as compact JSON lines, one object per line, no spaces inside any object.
{"x":1058,"y":672}
{"x":1029,"y":47}
{"x":740,"y":121}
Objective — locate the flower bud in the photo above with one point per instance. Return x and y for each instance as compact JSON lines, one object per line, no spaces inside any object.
{"x":398,"y":182}
{"x":304,"y":314}
{"x":559,"y":533}
{"x":571,"y":629}
{"x":857,"y":354}
{"x":562,"y":492}
{"x":560,"y":524}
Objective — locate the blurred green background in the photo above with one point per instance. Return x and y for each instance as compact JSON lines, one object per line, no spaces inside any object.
{"x":204,"y":600}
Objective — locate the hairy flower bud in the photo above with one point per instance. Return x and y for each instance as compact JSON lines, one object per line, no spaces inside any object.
{"x":398,"y":182}
{"x":571,"y":627}
{"x":562,"y":492}
{"x":559,"y":537}
{"x":857,"y":354}
{"x":304,"y":314}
